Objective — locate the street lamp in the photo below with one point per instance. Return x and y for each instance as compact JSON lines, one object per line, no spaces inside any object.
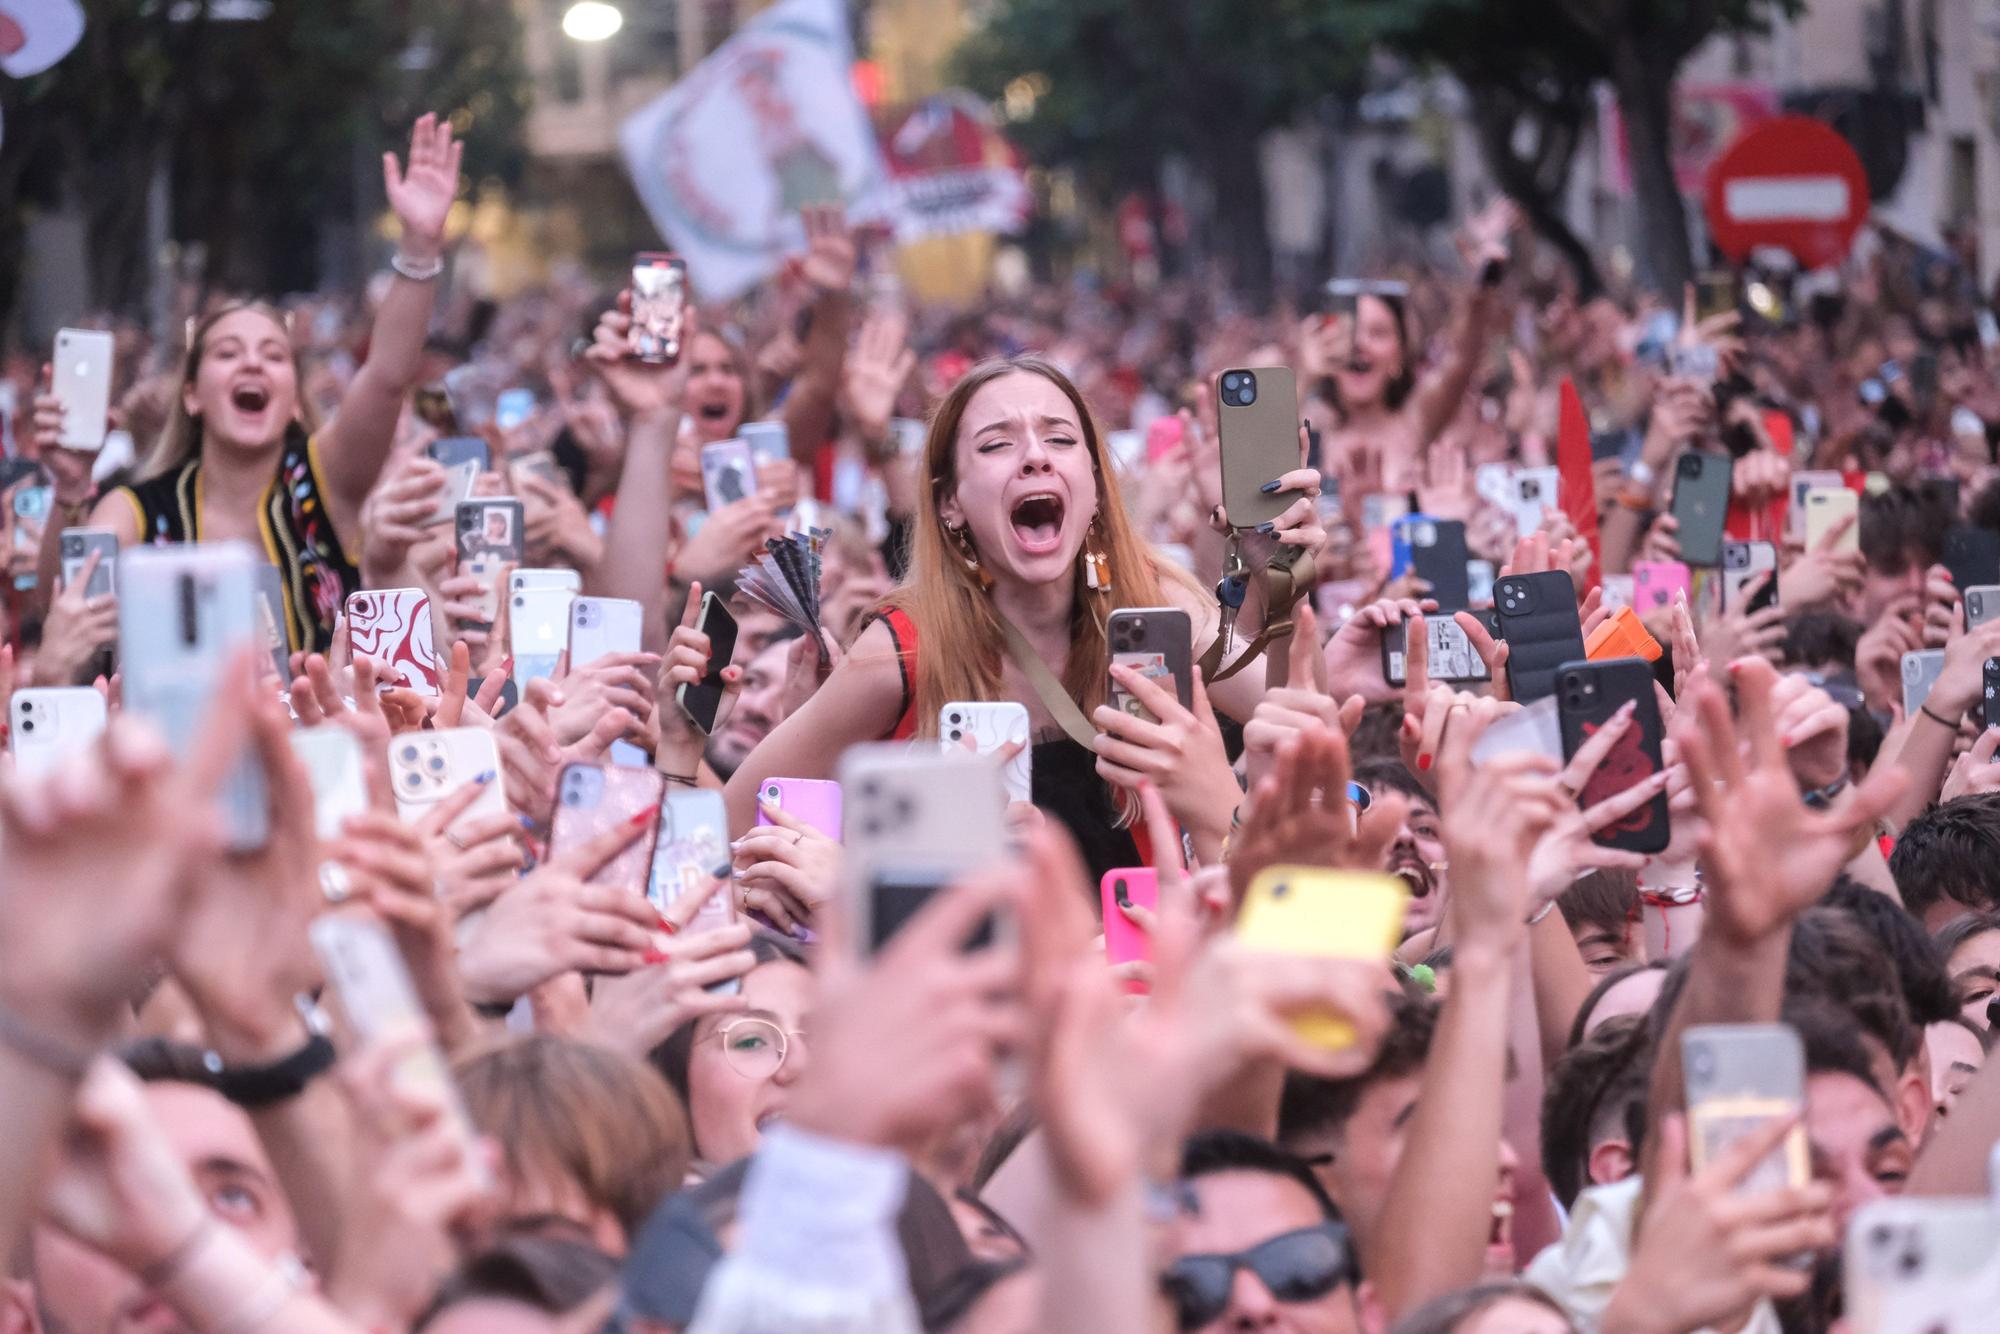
{"x":592,"y":21}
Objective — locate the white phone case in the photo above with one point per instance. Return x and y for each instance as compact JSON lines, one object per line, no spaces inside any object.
{"x":332,"y":760}
{"x":538,"y":631}
{"x":427,"y":767}
{"x":1536,"y":490}
{"x":915,"y":823}
{"x":47,"y":724}
{"x":81,"y":378}
{"x":984,"y":728}
{"x":599,"y":627}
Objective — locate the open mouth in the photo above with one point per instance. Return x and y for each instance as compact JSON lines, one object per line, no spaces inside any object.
{"x":1500,"y":1237}
{"x":1038,"y":521}
{"x":1416,"y":874}
{"x":769,"y":1119}
{"x":713,"y":412}
{"x":250,"y":397}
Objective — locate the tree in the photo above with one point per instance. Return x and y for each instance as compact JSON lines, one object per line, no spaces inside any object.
{"x":270,"y":131}
{"x":1529,"y":69}
{"x":1123,"y":84}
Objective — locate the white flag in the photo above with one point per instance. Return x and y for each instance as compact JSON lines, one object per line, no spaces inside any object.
{"x":726,"y":158}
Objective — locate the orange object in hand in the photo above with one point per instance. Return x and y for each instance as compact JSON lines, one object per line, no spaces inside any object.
{"x":1622,"y":636}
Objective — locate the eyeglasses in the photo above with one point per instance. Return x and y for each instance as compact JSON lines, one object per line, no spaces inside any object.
{"x":1296,"y":1266}
{"x":754,"y":1048}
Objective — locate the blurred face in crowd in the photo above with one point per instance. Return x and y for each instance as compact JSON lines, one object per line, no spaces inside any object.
{"x":1955,"y":1058}
{"x":1378,"y":355}
{"x":1857,"y":1147}
{"x":245,"y":389}
{"x":1604,"y":949}
{"x":1893,"y":580}
{"x":1975,"y":974}
{"x":1417,"y":855}
{"x":756,"y":711}
{"x":714,"y":400}
{"x":737,"y":1084}
{"x":1238,"y":1210}
{"x":81,"y":1292}
{"x":1027,"y":484}
{"x":1628,"y":995}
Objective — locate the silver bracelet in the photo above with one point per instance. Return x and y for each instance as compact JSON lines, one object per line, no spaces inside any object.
{"x":414,"y":271}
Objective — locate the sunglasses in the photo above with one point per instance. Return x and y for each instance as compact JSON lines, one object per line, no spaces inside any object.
{"x":1296,"y":1266}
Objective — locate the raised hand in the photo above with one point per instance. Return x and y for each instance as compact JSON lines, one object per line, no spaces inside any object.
{"x":638,"y":388}
{"x":1301,"y":815}
{"x":422,"y":194}
{"x":875,"y":373}
{"x":396,"y":517}
{"x":640,"y":1010}
{"x":687,"y":662}
{"x":788,"y":869}
{"x":1354,"y":653}
{"x":830,"y":252}
{"x":1766,"y":856}
{"x":77,"y":627}
{"x":1182,"y":753}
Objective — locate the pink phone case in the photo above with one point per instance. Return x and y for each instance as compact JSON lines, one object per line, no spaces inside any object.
{"x":593,"y":799}
{"x":393,"y":626}
{"x":813,"y":800}
{"x":1124,"y":942}
{"x":1655,"y":582}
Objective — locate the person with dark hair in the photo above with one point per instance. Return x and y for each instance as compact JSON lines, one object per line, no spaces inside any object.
{"x":1900,"y":532}
{"x":1594,"y":1108}
{"x":1833,"y":959}
{"x":1633,"y":989}
{"x":1918,"y":963}
{"x":1417,"y":854}
{"x":1947,"y":860}
{"x":1970,"y":947}
{"x":1858,"y":1146}
{"x":1602,"y":911}
{"x":1260,"y":1243}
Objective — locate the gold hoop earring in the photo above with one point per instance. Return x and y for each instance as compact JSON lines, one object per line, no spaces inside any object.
{"x":1096,"y":560}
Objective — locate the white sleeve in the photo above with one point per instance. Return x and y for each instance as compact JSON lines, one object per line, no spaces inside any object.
{"x":818,"y":1252}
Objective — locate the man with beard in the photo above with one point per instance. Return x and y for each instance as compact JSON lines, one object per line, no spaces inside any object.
{"x":758,"y":708}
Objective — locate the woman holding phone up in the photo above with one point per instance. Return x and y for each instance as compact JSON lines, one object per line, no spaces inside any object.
{"x":1027,"y":530}
{"x":241,"y":458}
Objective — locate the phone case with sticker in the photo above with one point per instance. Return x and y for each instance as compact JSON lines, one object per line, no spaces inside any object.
{"x":592,"y":799}
{"x":1155,"y":642}
{"x":982,"y":729}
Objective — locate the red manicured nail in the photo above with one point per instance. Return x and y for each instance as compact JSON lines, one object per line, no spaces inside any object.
{"x":641,"y":819}
{"x":653,"y":956}
{"x":1423,"y":762}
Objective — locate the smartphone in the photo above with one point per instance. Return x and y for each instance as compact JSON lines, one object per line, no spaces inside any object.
{"x":1438,"y":555}
{"x":1972,"y":555}
{"x":1587,"y":695}
{"x":1655,"y":584}
{"x":1921,"y":1265}
{"x":1619,"y":590}
{"x":769,"y":441}
{"x":331,"y":758}
{"x":815,"y":801}
{"x":728,"y":472}
{"x":1257,"y":415}
{"x":540,"y":463}
{"x":1494,"y":484}
{"x":917,"y":823}
{"x":701,"y":700}
{"x":186,"y":610}
{"x":537,"y":580}
{"x":1479,"y":577}
{"x":1538,"y":619}
{"x":1157,"y":643}
{"x":1535,"y":492}
{"x":458,"y":450}
{"x":600,"y":627}
{"x":967,"y":727}
{"x":1920,"y":673}
{"x":427,"y":767}
{"x":1990,"y":692}
{"x":393,"y":626}
{"x":1323,"y":913}
{"x":907,"y":435}
{"x":1744,"y":563}
{"x":514,"y":407}
{"x":1124,"y":942}
{"x":1739,"y":1077}
{"x":1452,"y":657}
{"x":1825,"y":508}
{"x":1714,"y":293}
{"x":272,"y":622}
{"x":691,"y":851}
{"x":76,"y":546}
{"x":490,"y":537}
{"x":538,"y":632}
{"x":47,"y":724}
{"x":366,"y":971}
{"x":80,"y":379}
{"x":1814,"y":480}
{"x":659,"y":307}
{"x":591,"y":799}
{"x":1381,"y":509}
{"x":1700,"y":504}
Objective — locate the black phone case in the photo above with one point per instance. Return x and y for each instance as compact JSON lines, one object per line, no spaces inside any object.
{"x":1442,"y":565}
{"x":1701,"y":506}
{"x":1637,"y":756}
{"x":704,"y":697}
{"x":1170,"y":636}
{"x":1538,"y":619}
{"x":1972,"y":554}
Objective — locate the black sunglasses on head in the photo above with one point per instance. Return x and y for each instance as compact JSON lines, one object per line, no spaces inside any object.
{"x":1296,"y":1266}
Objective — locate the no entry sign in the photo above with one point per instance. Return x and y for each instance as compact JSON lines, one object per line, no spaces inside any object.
{"x":1793,"y":183}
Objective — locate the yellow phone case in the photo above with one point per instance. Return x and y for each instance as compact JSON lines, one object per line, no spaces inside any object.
{"x":1326,"y":914}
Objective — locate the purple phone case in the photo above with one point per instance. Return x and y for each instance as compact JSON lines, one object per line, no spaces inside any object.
{"x":815,"y":801}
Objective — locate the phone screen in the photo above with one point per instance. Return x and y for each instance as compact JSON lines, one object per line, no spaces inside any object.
{"x":704,"y":697}
{"x":659,"y":305}
{"x":894,"y":898}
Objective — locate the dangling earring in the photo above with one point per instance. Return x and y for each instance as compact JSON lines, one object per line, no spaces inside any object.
{"x":1096,"y":560}
{"x":969,"y":556}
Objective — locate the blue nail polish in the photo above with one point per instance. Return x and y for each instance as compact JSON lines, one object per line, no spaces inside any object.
{"x":1267,"y":528}
{"x":1269,"y":487}
{"x":484,"y":778}
{"x":526,"y":822}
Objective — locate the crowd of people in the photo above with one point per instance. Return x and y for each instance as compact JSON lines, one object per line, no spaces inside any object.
{"x":1400,"y":1044}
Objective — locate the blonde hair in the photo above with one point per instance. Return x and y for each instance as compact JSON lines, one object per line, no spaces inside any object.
{"x":182,"y":437}
{"x":960,"y":642}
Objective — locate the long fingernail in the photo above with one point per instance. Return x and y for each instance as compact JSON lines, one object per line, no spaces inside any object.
{"x":639,"y":818}
{"x":1267,"y":528}
{"x":484,"y":778}
{"x":1269,"y":487}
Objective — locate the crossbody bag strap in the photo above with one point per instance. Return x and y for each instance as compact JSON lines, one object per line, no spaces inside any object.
{"x":1283,"y":588}
{"x":1054,"y":698}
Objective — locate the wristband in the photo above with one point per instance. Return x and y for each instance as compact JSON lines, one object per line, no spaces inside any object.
{"x":1937,"y":717}
{"x":1641,"y":473}
{"x":415,"y":270}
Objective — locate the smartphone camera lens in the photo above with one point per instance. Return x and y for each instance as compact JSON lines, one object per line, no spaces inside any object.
{"x":27,"y":724}
{"x":954,"y":720}
{"x":436,"y":764}
{"x":1690,"y":466}
{"x":771,"y":792}
{"x":1118,"y":894}
{"x":409,"y":754}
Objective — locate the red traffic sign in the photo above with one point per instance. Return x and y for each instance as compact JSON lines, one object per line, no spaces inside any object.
{"x":1793,"y":183}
